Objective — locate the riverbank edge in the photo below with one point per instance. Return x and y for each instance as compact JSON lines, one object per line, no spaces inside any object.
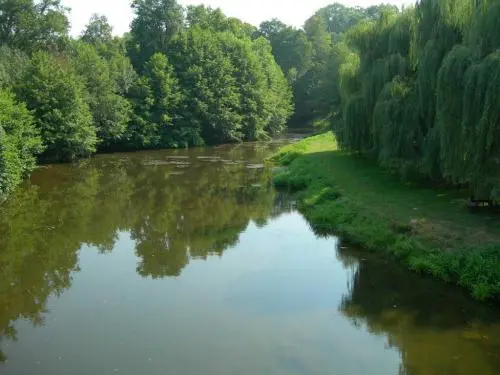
{"x":304,"y":169}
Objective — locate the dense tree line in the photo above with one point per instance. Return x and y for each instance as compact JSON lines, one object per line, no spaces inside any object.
{"x":415,"y":89}
{"x":307,"y":56}
{"x":181,"y":77}
{"x":421,"y":91}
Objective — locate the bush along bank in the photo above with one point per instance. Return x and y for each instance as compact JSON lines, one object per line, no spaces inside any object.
{"x":428,"y":230}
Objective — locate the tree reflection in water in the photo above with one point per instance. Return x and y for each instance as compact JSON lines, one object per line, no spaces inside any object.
{"x":176,"y":205}
{"x":184,"y":205}
{"x":436,"y":328}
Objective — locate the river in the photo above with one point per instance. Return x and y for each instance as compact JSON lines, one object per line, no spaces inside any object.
{"x":188,"y":262}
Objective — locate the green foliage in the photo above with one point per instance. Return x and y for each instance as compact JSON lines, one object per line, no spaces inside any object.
{"x":317,"y":32}
{"x":484,"y":35}
{"x":292,"y":183}
{"x":354,"y":133}
{"x":213,"y":19}
{"x":475,"y":269}
{"x":19,"y":143}
{"x":291,"y":47}
{"x":396,"y":144}
{"x":325,"y":98}
{"x":13,"y":63}
{"x":57,"y":97}
{"x":157,"y":101}
{"x":110,"y":111}
{"x":209,"y":78}
{"x":450,"y":96}
{"x":98,"y":31}
{"x":482,"y":151}
{"x":155,"y":25}
{"x":33,"y":25}
{"x":312,"y":58}
{"x":416,"y":90}
{"x":338,"y":18}
{"x":181,"y":77}
{"x":274,"y":95}
{"x":378,"y":55}
{"x":234,"y":90}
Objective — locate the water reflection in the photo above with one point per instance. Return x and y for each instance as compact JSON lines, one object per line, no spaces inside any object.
{"x":284,"y":296}
{"x":176,"y":205}
{"x":436,"y":328}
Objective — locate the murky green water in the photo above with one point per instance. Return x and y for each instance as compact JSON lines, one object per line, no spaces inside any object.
{"x":187,"y":262}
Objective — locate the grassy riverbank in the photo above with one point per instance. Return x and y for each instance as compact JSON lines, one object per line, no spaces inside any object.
{"x":429,"y":230}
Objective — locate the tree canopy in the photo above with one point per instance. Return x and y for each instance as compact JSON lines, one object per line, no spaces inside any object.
{"x":417,"y":91}
{"x":19,"y":142}
{"x":414,"y":89}
{"x":181,"y":77}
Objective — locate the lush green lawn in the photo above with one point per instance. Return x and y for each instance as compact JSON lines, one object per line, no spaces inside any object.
{"x":430,"y":230}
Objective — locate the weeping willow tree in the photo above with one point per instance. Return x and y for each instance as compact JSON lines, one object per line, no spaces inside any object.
{"x":484,"y":34}
{"x":396,"y":129}
{"x":468,"y":103}
{"x":381,"y":49}
{"x":420,"y":92}
{"x":481,"y":125}
{"x":439,"y":26}
{"x":450,"y":102}
{"x":348,"y":85}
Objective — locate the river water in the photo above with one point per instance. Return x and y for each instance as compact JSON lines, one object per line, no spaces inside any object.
{"x":188,"y":262}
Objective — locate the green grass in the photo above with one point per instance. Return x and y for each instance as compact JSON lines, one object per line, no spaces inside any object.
{"x":429,"y":230}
